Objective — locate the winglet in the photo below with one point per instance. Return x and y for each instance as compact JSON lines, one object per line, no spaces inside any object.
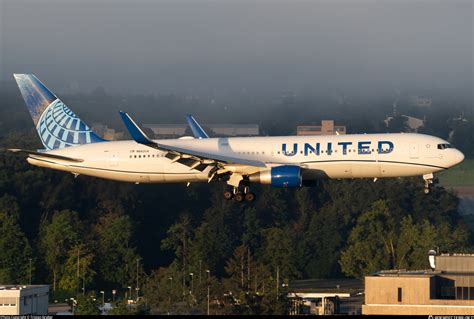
{"x":137,"y":134}
{"x":195,"y":127}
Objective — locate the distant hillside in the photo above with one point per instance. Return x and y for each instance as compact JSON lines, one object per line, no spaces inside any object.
{"x":461,"y":175}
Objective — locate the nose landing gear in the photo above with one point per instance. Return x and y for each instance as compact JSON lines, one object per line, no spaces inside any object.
{"x":428,"y":182}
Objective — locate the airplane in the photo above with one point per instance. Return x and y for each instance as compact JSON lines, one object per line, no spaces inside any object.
{"x":281,"y":161}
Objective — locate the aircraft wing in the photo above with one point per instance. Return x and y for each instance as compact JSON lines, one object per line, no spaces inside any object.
{"x":189,"y":157}
{"x":47,"y":155}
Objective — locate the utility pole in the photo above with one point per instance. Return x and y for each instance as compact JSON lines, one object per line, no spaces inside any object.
{"x":84,"y":279}
{"x":30,"y":269}
{"x":137,"y":279}
{"x":248,"y":269}
{"x":169,"y":295}
{"x":208,"y":296}
{"x":78,"y":282}
{"x":278,"y":281}
{"x":200,"y":267}
{"x":103,"y":299}
{"x":208,"y":289}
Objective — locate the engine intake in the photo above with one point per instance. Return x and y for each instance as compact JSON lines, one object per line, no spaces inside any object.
{"x":279,"y":176}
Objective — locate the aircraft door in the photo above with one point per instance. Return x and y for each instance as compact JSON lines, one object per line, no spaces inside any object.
{"x":114,"y":158}
{"x":414,"y":151}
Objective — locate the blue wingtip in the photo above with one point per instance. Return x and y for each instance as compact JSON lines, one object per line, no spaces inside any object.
{"x":195,"y":127}
{"x":137,"y":134}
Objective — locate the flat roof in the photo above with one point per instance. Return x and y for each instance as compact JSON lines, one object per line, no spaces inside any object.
{"x":337,"y":285}
{"x":19,"y":287}
{"x":418,"y":273}
{"x":313,"y":295}
{"x":204,"y":124}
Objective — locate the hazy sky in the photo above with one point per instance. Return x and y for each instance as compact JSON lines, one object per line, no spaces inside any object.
{"x":216,"y":46}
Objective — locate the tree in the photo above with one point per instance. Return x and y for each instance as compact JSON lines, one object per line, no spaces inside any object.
{"x":116,"y":256}
{"x":371,"y":242}
{"x":87,"y":306}
{"x":78,"y":268}
{"x":319,"y":247}
{"x":397,"y":124}
{"x":179,"y":240}
{"x":15,"y":250}
{"x":239,"y":268}
{"x":163,"y":288}
{"x":278,"y":252}
{"x":57,"y":238}
{"x":379,"y":241}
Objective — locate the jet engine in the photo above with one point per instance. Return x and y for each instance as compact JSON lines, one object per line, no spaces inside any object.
{"x":279,"y":176}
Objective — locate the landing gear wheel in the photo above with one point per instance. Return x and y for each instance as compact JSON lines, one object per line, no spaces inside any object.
{"x":427,"y":190}
{"x":250,"y":197}
{"x":228,"y":194}
{"x":239,"y":197}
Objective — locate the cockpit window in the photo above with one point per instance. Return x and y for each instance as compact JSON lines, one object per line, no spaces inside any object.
{"x":443,"y":146}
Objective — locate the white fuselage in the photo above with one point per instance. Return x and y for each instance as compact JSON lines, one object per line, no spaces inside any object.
{"x":351,"y":156}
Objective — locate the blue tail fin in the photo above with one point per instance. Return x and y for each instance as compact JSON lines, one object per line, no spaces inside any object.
{"x":57,"y":125}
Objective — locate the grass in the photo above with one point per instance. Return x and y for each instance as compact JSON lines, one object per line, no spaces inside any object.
{"x":460,"y":175}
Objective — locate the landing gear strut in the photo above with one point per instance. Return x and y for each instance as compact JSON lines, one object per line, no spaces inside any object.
{"x":428,"y":182}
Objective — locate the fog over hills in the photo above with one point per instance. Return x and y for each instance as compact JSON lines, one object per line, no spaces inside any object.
{"x":222,"y":47}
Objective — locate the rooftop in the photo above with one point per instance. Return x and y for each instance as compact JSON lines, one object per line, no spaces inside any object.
{"x":20,"y":287}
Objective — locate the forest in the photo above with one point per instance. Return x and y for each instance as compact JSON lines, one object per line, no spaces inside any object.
{"x":169,"y":245}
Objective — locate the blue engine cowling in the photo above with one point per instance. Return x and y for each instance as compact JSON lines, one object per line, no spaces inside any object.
{"x":279,"y":176}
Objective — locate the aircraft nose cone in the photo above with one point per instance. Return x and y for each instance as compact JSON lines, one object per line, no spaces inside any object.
{"x":458,"y":157}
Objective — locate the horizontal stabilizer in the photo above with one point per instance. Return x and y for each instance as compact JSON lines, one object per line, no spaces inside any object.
{"x":47,"y":155}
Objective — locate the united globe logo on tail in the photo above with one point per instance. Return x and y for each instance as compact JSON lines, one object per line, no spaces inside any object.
{"x":57,"y":125}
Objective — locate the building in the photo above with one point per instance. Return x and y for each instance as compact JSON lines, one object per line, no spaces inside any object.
{"x":106,"y":132}
{"x":234,"y":129}
{"x":447,"y":289}
{"x":177,"y":130}
{"x":24,"y":300}
{"x":327,"y":127}
{"x":167,"y":130}
{"x":325,"y":296}
{"x":421,"y":101}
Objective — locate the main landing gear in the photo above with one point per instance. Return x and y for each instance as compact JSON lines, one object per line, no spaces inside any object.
{"x":239,"y":194}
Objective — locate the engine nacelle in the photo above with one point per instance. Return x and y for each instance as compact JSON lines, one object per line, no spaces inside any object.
{"x":279,"y":176}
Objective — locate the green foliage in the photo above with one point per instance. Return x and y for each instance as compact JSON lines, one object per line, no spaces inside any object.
{"x":379,"y":241}
{"x":371,"y":242}
{"x":87,"y":306}
{"x":278,"y":252}
{"x":337,"y":228}
{"x":163,"y":288}
{"x":116,"y":255}
{"x":123,"y":309}
{"x":15,"y":250}
{"x":78,"y":269}
{"x":57,"y":238}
